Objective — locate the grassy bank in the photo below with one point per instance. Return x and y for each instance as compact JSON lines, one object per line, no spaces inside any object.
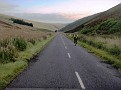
{"x":8,"y":71}
{"x":106,"y":56}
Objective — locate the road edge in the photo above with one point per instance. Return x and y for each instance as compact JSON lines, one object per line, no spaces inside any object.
{"x":108,"y":59}
{"x":25,"y":63}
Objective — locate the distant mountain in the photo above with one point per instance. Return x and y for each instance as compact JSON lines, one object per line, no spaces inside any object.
{"x":75,"y":26}
{"x":107,"y":22}
{"x":48,"y":26}
{"x":41,"y":25}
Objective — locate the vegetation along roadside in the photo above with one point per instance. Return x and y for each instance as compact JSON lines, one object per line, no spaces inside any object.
{"x":15,"y":54}
{"x":109,"y":52}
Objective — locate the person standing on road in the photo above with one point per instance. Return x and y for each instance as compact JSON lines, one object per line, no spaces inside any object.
{"x":75,"y":39}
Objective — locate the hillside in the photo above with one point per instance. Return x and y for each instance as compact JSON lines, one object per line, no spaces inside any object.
{"x":114,"y":12}
{"x":75,"y":26}
{"x":48,"y":26}
{"x":41,"y":25}
{"x":108,"y":22}
{"x":8,"y":29}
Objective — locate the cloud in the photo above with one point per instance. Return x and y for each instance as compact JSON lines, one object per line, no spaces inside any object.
{"x":68,"y":9}
{"x":51,"y":17}
{"x":74,"y":9}
{"x":75,"y":16}
{"x":48,"y":18}
{"x":6,"y":7}
{"x":67,"y":6}
{"x":73,"y":6}
{"x":55,"y":10}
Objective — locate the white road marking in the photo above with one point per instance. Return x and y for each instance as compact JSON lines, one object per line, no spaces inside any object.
{"x":65,"y":47}
{"x":63,"y":41}
{"x":69,"y":55}
{"x":80,"y":80}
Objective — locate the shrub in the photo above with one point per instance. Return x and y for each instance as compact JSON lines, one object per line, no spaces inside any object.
{"x":32,"y":41}
{"x":86,"y":31}
{"x":115,"y":50}
{"x":8,"y":53}
{"x":116,"y":27}
{"x":20,"y":44}
{"x":109,"y":26}
{"x":83,"y":39}
{"x":90,"y":42}
{"x":4,"y":43}
{"x":104,"y":47}
{"x":18,"y":21}
{"x":99,"y":45}
{"x":44,"y":37}
{"x":49,"y":34}
{"x":117,"y":65}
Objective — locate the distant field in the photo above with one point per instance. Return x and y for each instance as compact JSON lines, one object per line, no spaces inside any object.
{"x":48,"y":26}
{"x":41,"y":25}
{"x":8,"y":29}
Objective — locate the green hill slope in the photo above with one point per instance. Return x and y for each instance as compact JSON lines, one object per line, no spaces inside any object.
{"x":75,"y":26}
{"x":108,"y":22}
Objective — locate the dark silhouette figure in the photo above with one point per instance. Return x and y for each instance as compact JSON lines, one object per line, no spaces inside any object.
{"x":75,"y":39}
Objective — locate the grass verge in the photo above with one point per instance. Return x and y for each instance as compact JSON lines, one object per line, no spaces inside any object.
{"x":10,"y":70}
{"x":106,"y":57}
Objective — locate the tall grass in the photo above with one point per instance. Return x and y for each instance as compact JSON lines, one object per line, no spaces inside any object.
{"x":10,"y":46}
{"x":110,"y":45}
{"x":110,"y":55}
{"x":104,"y":44}
{"x":18,"y":44}
{"x":16,"y":38}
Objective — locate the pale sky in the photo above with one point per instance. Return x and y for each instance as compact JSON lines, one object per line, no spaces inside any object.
{"x":55,"y":11}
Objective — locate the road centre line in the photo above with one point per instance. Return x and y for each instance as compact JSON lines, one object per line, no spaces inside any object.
{"x":69,"y":55}
{"x":63,"y":41}
{"x":80,"y":80}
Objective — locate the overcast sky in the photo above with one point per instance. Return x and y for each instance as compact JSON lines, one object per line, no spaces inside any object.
{"x":55,"y":11}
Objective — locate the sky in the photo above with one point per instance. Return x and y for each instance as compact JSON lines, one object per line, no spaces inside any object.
{"x":55,"y":11}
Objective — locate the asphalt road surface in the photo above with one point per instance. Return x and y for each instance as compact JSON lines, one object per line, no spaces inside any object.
{"x":63,"y":66}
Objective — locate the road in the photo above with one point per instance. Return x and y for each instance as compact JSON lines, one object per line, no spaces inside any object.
{"x":63,"y":66}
